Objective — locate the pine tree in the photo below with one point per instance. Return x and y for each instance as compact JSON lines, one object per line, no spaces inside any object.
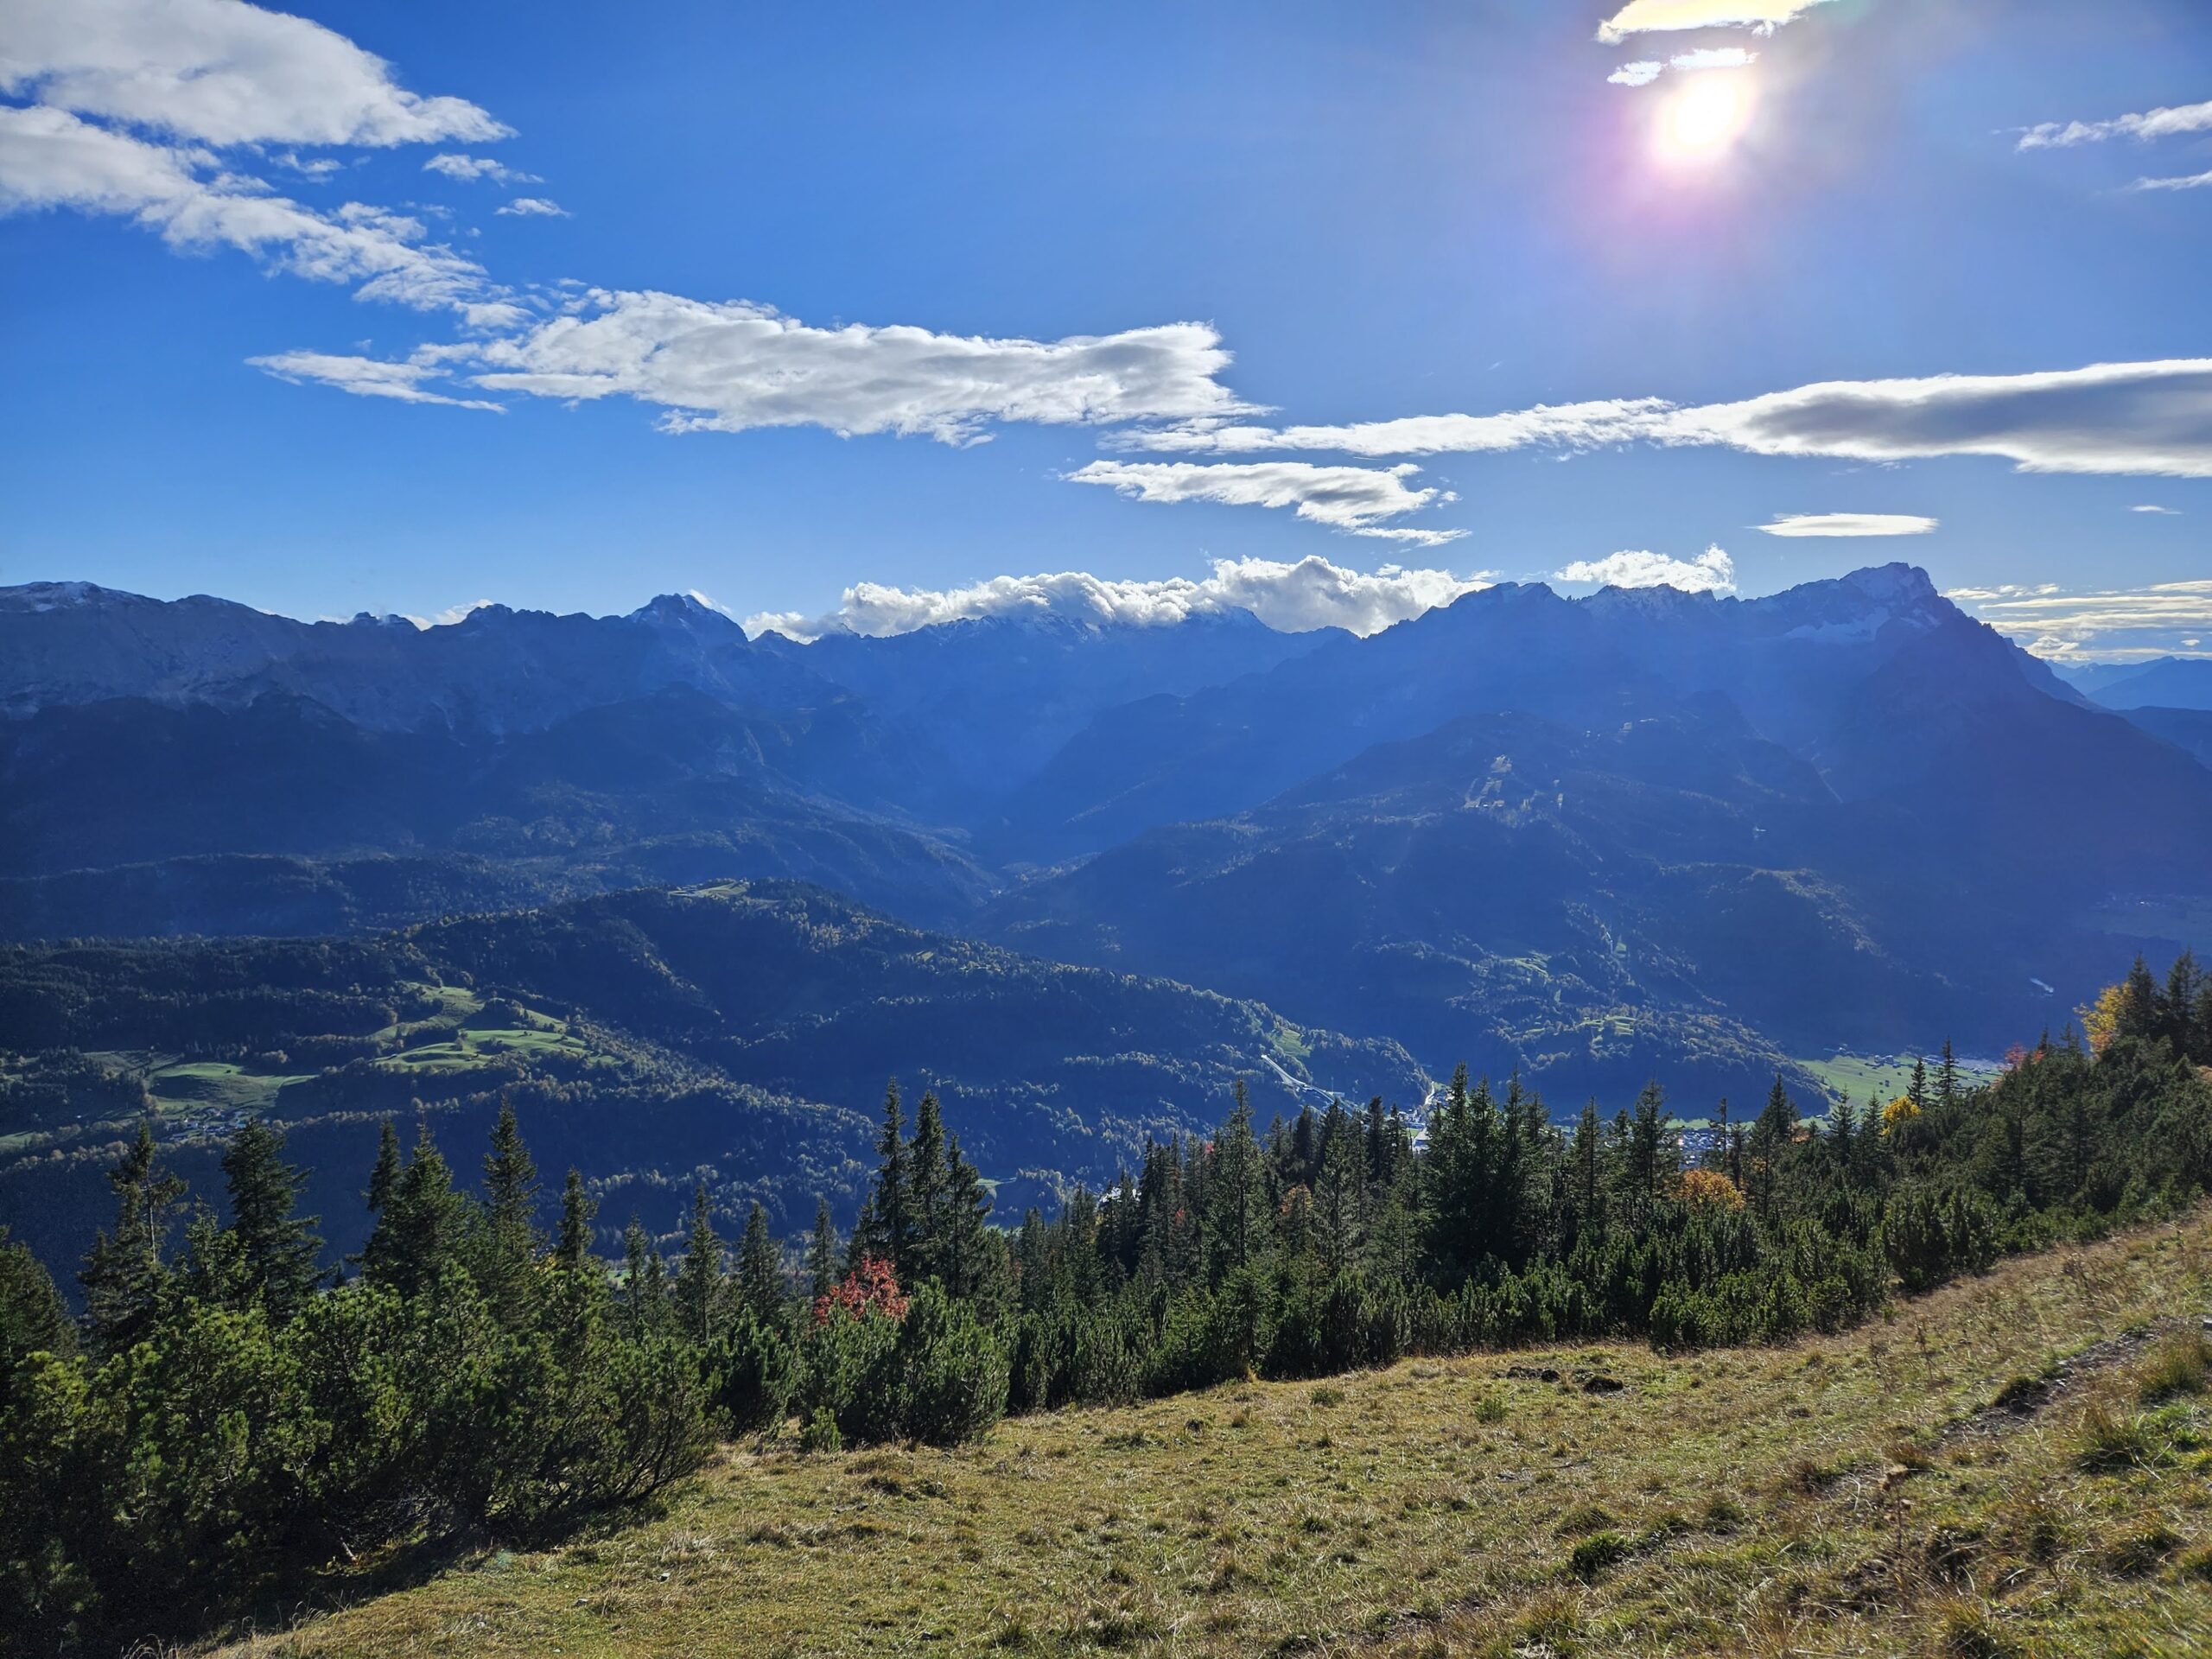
{"x":821,"y":1252}
{"x":277,"y":1250}
{"x":759,"y":1269}
{"x":926,"y":1185}
{"x":645,"y":1279}
{"x":1916,"y":1090}
{"x":699,"y":1279}
{"x":125,"y":1277}
{"x":33,"y":1317}
{"x":885,"y":1229}
{"x":1947,"y":1078}
{"x":510,"y":1243}
{"x":1653,"y":1157}
{"x":1236,"y":1207}
{"x":974,"y":1257}
{"x":1340,"y":1192}
{"x":422,"y":1228}
{"x":578,"y":1207}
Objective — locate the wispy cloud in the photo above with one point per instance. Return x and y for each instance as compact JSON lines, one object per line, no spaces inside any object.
{"x":1714,"y":57}
{"x":1295,"y":597}
{"x":2150,"y":418}
{"x":735,"y":367}
{"x":365,"y":377}
{"x":468,"y":169}
{"x":1646,"y":17}
{"x":1573,"y":426}
{"x":1643,"y":71}
{"x":2169,"y":512}
{"x":1712,"y":572}
{"x":1850,"y":523}
{"x":1353,"y":499}
{"x":50,"y":158}
{"x":2121,"y":624}
{"x":2191,"y":181}
{"x":533,"y":207}
{"x":2150,"y":123}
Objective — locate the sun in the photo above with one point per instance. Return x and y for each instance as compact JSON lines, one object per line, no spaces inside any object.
{"x":1703,"y":118}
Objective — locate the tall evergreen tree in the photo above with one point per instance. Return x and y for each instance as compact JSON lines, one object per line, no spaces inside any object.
{"x":124,"y":1276}
{"x":512,"y":1243}
{"x":278,"y":1250}
{"x":1237,"y":1206}
{"x":578,"y":1208}
{"x":699,"y":1279}
{"x":759,"y":1269}
{"x":927,"y":1179}
{"x":423,"y":1227}
{"x":972,"y":1257}
{"x":645,"y":1280}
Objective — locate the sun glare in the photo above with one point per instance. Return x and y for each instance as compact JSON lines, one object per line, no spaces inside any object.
{"x":1704,"y":118}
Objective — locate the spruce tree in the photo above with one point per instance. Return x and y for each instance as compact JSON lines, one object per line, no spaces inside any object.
{"x":1236,"y":1197}
{"x":972,"y":1257}
{"x":578,"y":1207}
{"x":759,"y":1269}
{"x":644,"y":1282}
{"x":277,"y":1250}
{"x":923,"y":1255}
{"x":33,"y":1317}
{"x":125,"y":1277}
{"x":423,"y":1228}
{"x":1947,"y":1078}
{"x":885,"y":1229}
{"x":511,"y":1243}
{"x":699,"y":1279}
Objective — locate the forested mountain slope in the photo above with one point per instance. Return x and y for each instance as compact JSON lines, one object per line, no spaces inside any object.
{"x":744,"y":1031}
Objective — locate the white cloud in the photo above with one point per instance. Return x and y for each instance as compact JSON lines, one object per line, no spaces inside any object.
{"x":2169,"y":512}
{"x":1712,"y":572}
{"x":736,"y":365}
{"x":365,"y":376}
{"x":1348,"y":499}
{"x":447,"y":617}
{"x":1714,"y":57}
{"x":2150,"y":123}
{"x":2111,"y":418}
{"x":218,"y":72}
{"x":468,"y":168}
{"x":1641,"y":73}
{"x":2120,"y":625}
{"x":2143,"y":418}
{"x":1574,"y":426}
{"x":2192,"y":181}
{"x":1642,"y":17}
{"x":533,"y":207}
{"x":1295,"y":598}
{"x":50,"y":158}
{"x":1850,"y":523}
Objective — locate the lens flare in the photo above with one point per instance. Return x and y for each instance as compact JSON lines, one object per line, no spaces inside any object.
{"x":1703,"y":118}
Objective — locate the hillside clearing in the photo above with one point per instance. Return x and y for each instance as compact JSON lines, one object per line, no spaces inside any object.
{"x":2013,"y":1465}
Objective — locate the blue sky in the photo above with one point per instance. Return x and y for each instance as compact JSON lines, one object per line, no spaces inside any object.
{"x":223,"y":230}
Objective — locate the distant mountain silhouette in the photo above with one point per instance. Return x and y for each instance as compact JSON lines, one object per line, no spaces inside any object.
{"x":1641,"y":832}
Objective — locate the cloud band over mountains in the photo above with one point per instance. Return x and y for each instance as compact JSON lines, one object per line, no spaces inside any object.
{"x":1296,"y":598}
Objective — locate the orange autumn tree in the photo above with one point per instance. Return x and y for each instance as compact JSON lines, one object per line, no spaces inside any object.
{"x":1709,"y":1190}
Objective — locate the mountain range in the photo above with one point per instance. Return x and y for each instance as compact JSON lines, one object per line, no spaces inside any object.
{"x":1641,"y":833}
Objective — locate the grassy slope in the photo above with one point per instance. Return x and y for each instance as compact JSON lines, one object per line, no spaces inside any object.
{"x":1855,"y":1495}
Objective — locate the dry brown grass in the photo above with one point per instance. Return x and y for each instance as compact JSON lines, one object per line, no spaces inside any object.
{"x":1858,"y":1495}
